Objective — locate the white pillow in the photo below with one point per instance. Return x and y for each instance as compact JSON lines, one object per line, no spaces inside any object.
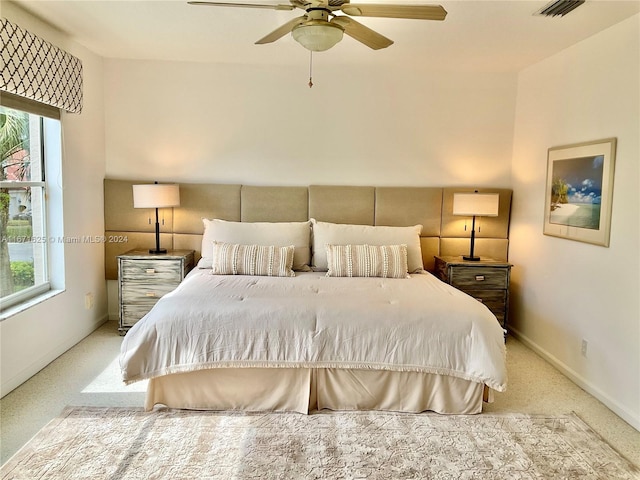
{"x":235,"y":259}
{"x":279,"y":234}
{"x":345,"y":234}
{"x":387,"y":261}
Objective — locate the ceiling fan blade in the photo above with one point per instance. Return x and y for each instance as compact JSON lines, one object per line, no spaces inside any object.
{"x":243,"y":5}
{"x":281,"y":31}
{"x":361,"y":33}
{"x":420,"y":12}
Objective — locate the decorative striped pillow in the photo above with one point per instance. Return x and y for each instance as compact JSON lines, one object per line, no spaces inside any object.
{"x":389,"y":261}
{"x":235,"y":259}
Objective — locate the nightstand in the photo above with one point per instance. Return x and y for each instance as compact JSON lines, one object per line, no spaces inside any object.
{"x":486,"y":280}
{"x":143,"y":278}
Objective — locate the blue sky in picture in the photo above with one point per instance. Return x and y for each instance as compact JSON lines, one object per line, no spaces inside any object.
{"x":584,"y":177}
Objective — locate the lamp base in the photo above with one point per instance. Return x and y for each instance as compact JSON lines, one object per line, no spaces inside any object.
{"x":471,"y":259}
{"x":158,"y":251}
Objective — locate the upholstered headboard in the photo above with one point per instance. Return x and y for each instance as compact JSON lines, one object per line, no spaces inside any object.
{"x":127,"y":228}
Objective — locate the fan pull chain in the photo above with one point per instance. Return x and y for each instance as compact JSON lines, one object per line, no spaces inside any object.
{"x":310,"y":68}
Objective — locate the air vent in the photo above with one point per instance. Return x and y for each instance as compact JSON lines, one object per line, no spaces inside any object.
{"x":559,"y":8}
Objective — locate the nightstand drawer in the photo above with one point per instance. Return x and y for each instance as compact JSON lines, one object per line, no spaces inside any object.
{"x":479,"y":277}
{"x":495,"y":300}
{"x":140,"y":293}
{"x":151,"y":271}
{"x":132,"y":313}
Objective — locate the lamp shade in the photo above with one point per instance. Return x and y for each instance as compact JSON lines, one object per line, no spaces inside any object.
{"x":476,"y":204}
{"x":317,"y":35}
{"x":156,"y":196}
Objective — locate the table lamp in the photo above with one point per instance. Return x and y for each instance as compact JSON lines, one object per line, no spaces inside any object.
{"x":475,"y":205}
{"x":156,"y":196}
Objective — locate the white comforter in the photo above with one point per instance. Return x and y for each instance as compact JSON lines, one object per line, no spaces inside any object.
{"x":312,"y":321}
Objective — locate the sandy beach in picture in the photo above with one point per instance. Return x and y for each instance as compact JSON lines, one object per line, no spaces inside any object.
{"x":583,"y":215}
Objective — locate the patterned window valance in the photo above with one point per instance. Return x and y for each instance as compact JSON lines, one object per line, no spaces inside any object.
{"x":38,"y":70}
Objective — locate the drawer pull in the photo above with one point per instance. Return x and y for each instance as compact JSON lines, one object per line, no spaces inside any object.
{"x":479,"y":278}
{"x":150,"y":270}
{"x":150,"y":294}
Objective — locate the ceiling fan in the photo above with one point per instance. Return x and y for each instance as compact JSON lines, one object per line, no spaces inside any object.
{"x":320,"y":28}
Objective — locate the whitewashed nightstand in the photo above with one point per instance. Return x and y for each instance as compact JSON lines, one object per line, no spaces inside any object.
{"x":143,"y":278}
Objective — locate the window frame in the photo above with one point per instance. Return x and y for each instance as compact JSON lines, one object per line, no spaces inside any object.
{"x":49,"y":158}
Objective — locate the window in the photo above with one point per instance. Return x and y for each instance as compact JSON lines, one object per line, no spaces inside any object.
{"x":24,"y":238}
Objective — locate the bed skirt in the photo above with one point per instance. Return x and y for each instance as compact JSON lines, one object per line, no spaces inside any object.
{"x":304,"y":390}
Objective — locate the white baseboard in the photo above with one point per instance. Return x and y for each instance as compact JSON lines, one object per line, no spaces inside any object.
{"x":631,"y":418}
{"x":39,"y":363}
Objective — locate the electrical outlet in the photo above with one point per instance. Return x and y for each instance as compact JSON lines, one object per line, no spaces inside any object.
{"x":88,"y":301}
{"x":583,"y":349}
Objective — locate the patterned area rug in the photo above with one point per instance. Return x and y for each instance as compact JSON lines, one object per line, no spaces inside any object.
{"x":120,"y":443}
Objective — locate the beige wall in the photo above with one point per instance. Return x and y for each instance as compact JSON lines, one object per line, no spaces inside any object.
{"x":568,"y":291}
{"x":260,"y":125}
{"x":33,"y":338}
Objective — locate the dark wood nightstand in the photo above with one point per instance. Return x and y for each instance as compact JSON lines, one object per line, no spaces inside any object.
{"x":143,"y":278}
{"x":486,"y":280}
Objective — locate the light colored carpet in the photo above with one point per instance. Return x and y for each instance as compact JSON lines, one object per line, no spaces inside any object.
{"x":126,"y":443}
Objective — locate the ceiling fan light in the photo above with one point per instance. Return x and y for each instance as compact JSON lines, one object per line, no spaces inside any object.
{"x":317,"y":36}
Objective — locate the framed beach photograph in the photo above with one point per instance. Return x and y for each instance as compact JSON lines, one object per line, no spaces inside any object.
{"x":579,"y":191}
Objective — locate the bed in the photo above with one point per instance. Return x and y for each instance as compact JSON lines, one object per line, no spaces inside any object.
{"x":341,"y":323}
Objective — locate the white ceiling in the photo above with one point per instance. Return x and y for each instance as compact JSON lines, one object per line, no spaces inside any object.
{"x":477,"y":35}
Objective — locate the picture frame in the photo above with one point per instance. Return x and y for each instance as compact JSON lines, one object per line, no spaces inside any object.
{"x":579,"y":191}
